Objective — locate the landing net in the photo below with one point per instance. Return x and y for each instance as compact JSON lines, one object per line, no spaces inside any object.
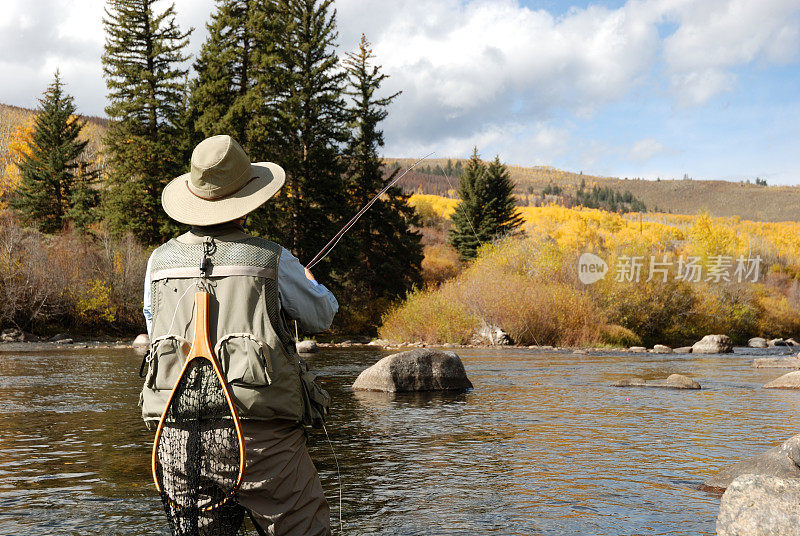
{"x":197,"y":457}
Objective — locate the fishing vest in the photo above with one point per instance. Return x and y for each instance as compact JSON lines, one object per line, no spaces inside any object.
{"x":248,"y":332}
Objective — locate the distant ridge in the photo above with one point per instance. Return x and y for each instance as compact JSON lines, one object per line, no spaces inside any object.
{"x":687,"y":196}
{"x":683,"y":196}
{"x":14,"y":117}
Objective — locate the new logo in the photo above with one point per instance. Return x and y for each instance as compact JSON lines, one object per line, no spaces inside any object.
{"x":591,"y":268}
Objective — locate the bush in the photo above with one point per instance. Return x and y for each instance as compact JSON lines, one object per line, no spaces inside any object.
{"x":529,"y":286}
{"x":69,"y":280}
{"x":433,"y":317}
{"x":618,"y":336}
{"x":440,"y":264}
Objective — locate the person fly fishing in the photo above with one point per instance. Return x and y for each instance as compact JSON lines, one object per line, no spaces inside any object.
{"x":253,"y":287}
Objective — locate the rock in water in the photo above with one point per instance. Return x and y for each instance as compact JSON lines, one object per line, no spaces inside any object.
{"x":416,"y":370}
{"x":790,"y":380}
{"x":59,"y":337}
{"x":141,"y":340}
{"x":493,"y":335}
{"x":776,"y":342}
{"x":780,"y":461}
{"x":661,"y":349}
{"x":307,"y":347}
{"x":683,"y":350}
{"x":713,"y":344}
{"x":776,"y":362}
{"x":757,"y":342}
{"x":637,"y":349}
{"x":12,"y":335}
{"x":674,"y":381}
{"x":757,"y":505}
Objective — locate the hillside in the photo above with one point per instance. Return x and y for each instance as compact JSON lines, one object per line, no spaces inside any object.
{"x":15,"y":118}
{"x":688,"y":196}
{"x":720,"y":198}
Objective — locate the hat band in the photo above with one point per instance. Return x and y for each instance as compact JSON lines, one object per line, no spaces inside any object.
{"x":217,"y":198}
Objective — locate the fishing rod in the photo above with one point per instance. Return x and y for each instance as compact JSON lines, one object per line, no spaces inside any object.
{"x":338,"y":236}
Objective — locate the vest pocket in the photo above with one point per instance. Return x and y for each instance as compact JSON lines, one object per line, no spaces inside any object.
{"x":242,"y":358}
{"x":167,"y":356}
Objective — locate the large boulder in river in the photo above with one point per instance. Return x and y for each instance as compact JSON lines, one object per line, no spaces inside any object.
{"x":781,"y":461}
{"x":757,"y":342}
{"x":713,"y":344}
{"x":141,"y":340}
{"x":416,"y":370}
{"x":661,"y":349}
{"x":674,"y":381}
{"x":790,"y":380}
{"x":758,"y":505}
{"x":777,"y":362}
{"x":777,"y":342}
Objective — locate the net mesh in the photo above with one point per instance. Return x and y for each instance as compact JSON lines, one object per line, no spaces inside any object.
{"x":197,"y":457}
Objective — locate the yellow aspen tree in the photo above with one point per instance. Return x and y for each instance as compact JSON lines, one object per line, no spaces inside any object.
{"x":19,"y":145}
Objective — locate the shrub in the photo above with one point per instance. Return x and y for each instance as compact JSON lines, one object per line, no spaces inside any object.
{"x":440,"y":264}
{"x":69,"y":280}
{"x":529,"y":287}
{"x":433,"y":317}
{"x":619,"y":336}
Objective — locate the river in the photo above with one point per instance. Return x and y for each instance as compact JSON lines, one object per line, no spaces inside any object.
{"x":542,"y":445}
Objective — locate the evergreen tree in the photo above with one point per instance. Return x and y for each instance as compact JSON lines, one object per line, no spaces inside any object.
{"x":502,"y":214}
{"x":233,"y":93}
{"x":469,"y":231}
{"x":142,"y":64}
{"x":486,"y":209}
{"x":47,"y":194}
{"x":384,"y":253}
{"x":308,"y":135}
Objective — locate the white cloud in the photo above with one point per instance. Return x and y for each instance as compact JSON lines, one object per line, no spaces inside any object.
{"x":466,"y":67}
{"x":645,"y":149}
{"x":485,"y":72}
{"x":716,"y":36}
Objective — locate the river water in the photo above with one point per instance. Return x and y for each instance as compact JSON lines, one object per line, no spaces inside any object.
{"x":542,"y":445}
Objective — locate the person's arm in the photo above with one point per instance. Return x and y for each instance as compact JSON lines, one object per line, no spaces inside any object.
{"x":302,"y":298}
{"x":146,"y":310}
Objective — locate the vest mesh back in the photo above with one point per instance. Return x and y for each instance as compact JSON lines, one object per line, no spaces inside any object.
{"x":251,"y":252}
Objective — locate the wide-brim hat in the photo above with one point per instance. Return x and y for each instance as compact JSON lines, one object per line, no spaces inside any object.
{"x":223,"y":184}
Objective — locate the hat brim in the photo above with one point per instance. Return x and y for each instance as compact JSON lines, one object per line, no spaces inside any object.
{"x":183,"y":206}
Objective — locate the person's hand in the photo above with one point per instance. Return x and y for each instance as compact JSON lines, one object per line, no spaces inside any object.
{"x":309,"y":275}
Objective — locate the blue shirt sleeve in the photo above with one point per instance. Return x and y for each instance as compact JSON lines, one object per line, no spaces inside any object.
{"x":148,"y":313}
{"x":304,"y":300}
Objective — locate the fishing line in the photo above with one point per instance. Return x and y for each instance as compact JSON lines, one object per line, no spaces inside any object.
{"x":338,"y":236}
{"x":480,"y":242}
{"x":320,"y":256}
{"x":330,"y":445}
{"x":338,"y":475}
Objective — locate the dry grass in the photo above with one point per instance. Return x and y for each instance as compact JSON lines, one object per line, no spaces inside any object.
{"x":529,"y":286}
{"x":69,"y":280}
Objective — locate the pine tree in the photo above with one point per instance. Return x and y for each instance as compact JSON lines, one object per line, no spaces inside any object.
{"x":468,"y":231}
{"x":142,"y":64}
{"x":234,"y":91}
{"x":486,"y":210}
{"x":503,"y":218}
{"x":384,"y":253}
{"x":46,"y":197}
{"x":308,"y":135}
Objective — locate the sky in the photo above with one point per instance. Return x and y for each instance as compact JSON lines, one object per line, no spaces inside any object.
{"x":636,"y":88}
